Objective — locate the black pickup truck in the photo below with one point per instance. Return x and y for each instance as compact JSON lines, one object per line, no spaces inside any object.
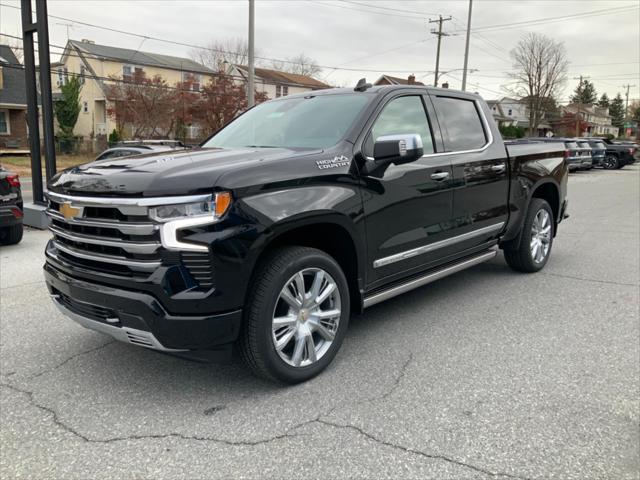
{"x":300,"y":212}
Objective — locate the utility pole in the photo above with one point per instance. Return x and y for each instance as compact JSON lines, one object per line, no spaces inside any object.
{"x":440,"y":34}
{"x":251,"y":87}
{"x":466,"y":48}
{"x":626,"y":103}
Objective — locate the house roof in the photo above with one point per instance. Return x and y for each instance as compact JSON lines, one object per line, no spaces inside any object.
{"x":284,"y":78}
{"x":136,"y":57}
{"x":13,"y":89}
{"x":396,"y":81}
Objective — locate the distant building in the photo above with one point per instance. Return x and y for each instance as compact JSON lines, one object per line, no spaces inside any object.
{"x":13,"y":101}
{"x":97,"y":64}
{"x":389,"y":80}
{"x":275,"y":83}
{"x":596,"y":119}
{"x":509,"y":111}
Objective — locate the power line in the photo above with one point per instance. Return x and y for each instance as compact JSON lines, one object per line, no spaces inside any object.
{"x":325,"y":4}
{"x":593,"y":13}
{"x":388,"y":8}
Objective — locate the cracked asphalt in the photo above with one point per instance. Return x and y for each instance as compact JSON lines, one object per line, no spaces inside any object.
{"x":485,"y":374}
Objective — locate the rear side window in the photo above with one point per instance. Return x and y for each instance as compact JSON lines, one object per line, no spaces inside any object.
{"x":571,"y":145}
{"x":461,"y":123}
{"x":599,"y":146}
{"x":404,"y":115}
{"x":584,"y":144}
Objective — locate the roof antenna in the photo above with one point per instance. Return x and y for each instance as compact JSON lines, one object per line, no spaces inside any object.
{"x":362,"y":85}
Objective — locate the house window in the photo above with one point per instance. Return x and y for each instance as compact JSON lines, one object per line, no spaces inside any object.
{"x":192,"y":81}
{"x":85,"y":107}
{"x":510,"y":112}
{"x":63,"y":76}
{"x":4,"y":122}
{"x":282,"y":91}
{"x":130,"y":73}
{"x":83,"y":73}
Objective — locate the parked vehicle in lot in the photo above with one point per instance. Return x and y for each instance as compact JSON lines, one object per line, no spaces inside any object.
{"x":617,"y":155}
{"x":133,"y":149}
{"x":301,"y":211}
{"x":11,"y":212}
{"x":586,"y":160}
{"x":572,"y":151}
{"x":598,"y":152}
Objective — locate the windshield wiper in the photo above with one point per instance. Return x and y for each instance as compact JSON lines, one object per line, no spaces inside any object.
{"x":261,"y":146}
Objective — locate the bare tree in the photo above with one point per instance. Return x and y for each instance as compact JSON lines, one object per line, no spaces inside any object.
{"x":541,"y":71}
{"x":300,"y":64}
{"x":231,"y":50}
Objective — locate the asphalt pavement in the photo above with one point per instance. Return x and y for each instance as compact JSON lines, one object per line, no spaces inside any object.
{"x":485,"y":374}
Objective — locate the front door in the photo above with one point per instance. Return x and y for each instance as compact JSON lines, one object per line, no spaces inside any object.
{"x":408,"y":207}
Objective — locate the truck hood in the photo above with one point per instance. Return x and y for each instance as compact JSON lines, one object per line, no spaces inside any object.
{"x":165,"y":173}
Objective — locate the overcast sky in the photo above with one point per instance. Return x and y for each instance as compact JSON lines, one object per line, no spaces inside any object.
{"x":356,"y":38}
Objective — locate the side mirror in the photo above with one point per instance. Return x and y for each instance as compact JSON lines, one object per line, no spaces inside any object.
{"x":397,"y":149}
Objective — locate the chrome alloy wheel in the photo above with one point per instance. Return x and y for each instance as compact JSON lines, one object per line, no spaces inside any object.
{"x":540,"y":236}
{"x":306,"y":317}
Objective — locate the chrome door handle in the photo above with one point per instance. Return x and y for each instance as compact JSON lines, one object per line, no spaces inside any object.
{"x":440,"y":175}
{"x":499,"y":168}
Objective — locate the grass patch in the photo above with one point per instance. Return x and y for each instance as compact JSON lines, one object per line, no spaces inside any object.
{"x":22,"y":164}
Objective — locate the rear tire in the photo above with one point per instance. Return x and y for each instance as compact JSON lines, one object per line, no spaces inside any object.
{"x":291,"y":330}
{"x":534,"y":249}
{"x":11,"y":235}
{"x":610,"y":162}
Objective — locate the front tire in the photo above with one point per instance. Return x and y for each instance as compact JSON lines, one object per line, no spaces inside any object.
{"x":533,"y":252}
{"x":610,"y":162}
{"x":11,"y":235}
{"x":296,"y":316}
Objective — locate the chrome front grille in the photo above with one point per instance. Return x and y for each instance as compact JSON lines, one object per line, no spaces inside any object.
{"x":117,"y":236}
{"x":120,"y":236}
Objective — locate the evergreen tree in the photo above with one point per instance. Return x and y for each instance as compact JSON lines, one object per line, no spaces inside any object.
{"x":616,"y":110}
{"x":585,"y":93}
{"x":604,"y":101}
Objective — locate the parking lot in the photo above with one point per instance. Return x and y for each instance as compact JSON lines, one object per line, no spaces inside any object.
{"x":485,"y":374}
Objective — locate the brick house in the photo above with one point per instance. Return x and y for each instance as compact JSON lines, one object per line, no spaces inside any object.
{"x":13,"y":101}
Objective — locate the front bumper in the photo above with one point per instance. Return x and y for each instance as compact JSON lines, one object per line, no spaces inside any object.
{"x":138,"y":318}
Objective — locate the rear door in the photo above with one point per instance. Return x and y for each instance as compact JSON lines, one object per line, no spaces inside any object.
{"x":480,"y":169}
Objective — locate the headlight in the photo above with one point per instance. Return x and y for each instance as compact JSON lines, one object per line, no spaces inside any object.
{"x":213,"y":209}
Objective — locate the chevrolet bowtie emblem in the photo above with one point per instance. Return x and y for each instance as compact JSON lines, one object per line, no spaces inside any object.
{"x":68,"y":211}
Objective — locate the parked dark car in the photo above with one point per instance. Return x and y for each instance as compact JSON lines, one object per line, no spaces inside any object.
{"x":598,"y":152}
{"x":572,"y":151}
{"x":584,"y":149}
{"x":11,"y":212}
{"x":617,"y":155}
{"x":133,"y":149}
{"x":303,"y":210}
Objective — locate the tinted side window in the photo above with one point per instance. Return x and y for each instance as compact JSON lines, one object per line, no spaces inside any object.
{"x":461,"y":123}
{"x":111,"y":154}
{"x":401,"y":116}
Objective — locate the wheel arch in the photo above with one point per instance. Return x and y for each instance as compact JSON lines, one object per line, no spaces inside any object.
{"x":331,"y":233}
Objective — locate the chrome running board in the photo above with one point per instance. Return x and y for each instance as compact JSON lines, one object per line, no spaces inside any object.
{"x":430,"y":277}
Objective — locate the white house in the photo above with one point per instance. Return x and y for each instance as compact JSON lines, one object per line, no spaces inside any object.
{"x":279,"y":84}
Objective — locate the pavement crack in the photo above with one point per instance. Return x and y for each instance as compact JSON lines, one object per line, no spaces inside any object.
{"x":72,"y":357}
{"x":608,"y":282}
{"x":67,"y":428}
{"x":397,"y":381}
{"x":413,"y":451}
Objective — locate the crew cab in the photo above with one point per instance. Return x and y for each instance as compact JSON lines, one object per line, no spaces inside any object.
{"x":302,"y":211}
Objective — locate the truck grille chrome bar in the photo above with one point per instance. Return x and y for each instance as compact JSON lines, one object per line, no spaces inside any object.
{"x":96,"y":257}
{"x":132,"y":247}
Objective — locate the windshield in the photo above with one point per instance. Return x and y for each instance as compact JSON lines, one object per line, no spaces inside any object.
{"x":599,"y":146}
{"x":571,"y":145}
{"x":584,"y":144}
{"x":300,"y":122}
